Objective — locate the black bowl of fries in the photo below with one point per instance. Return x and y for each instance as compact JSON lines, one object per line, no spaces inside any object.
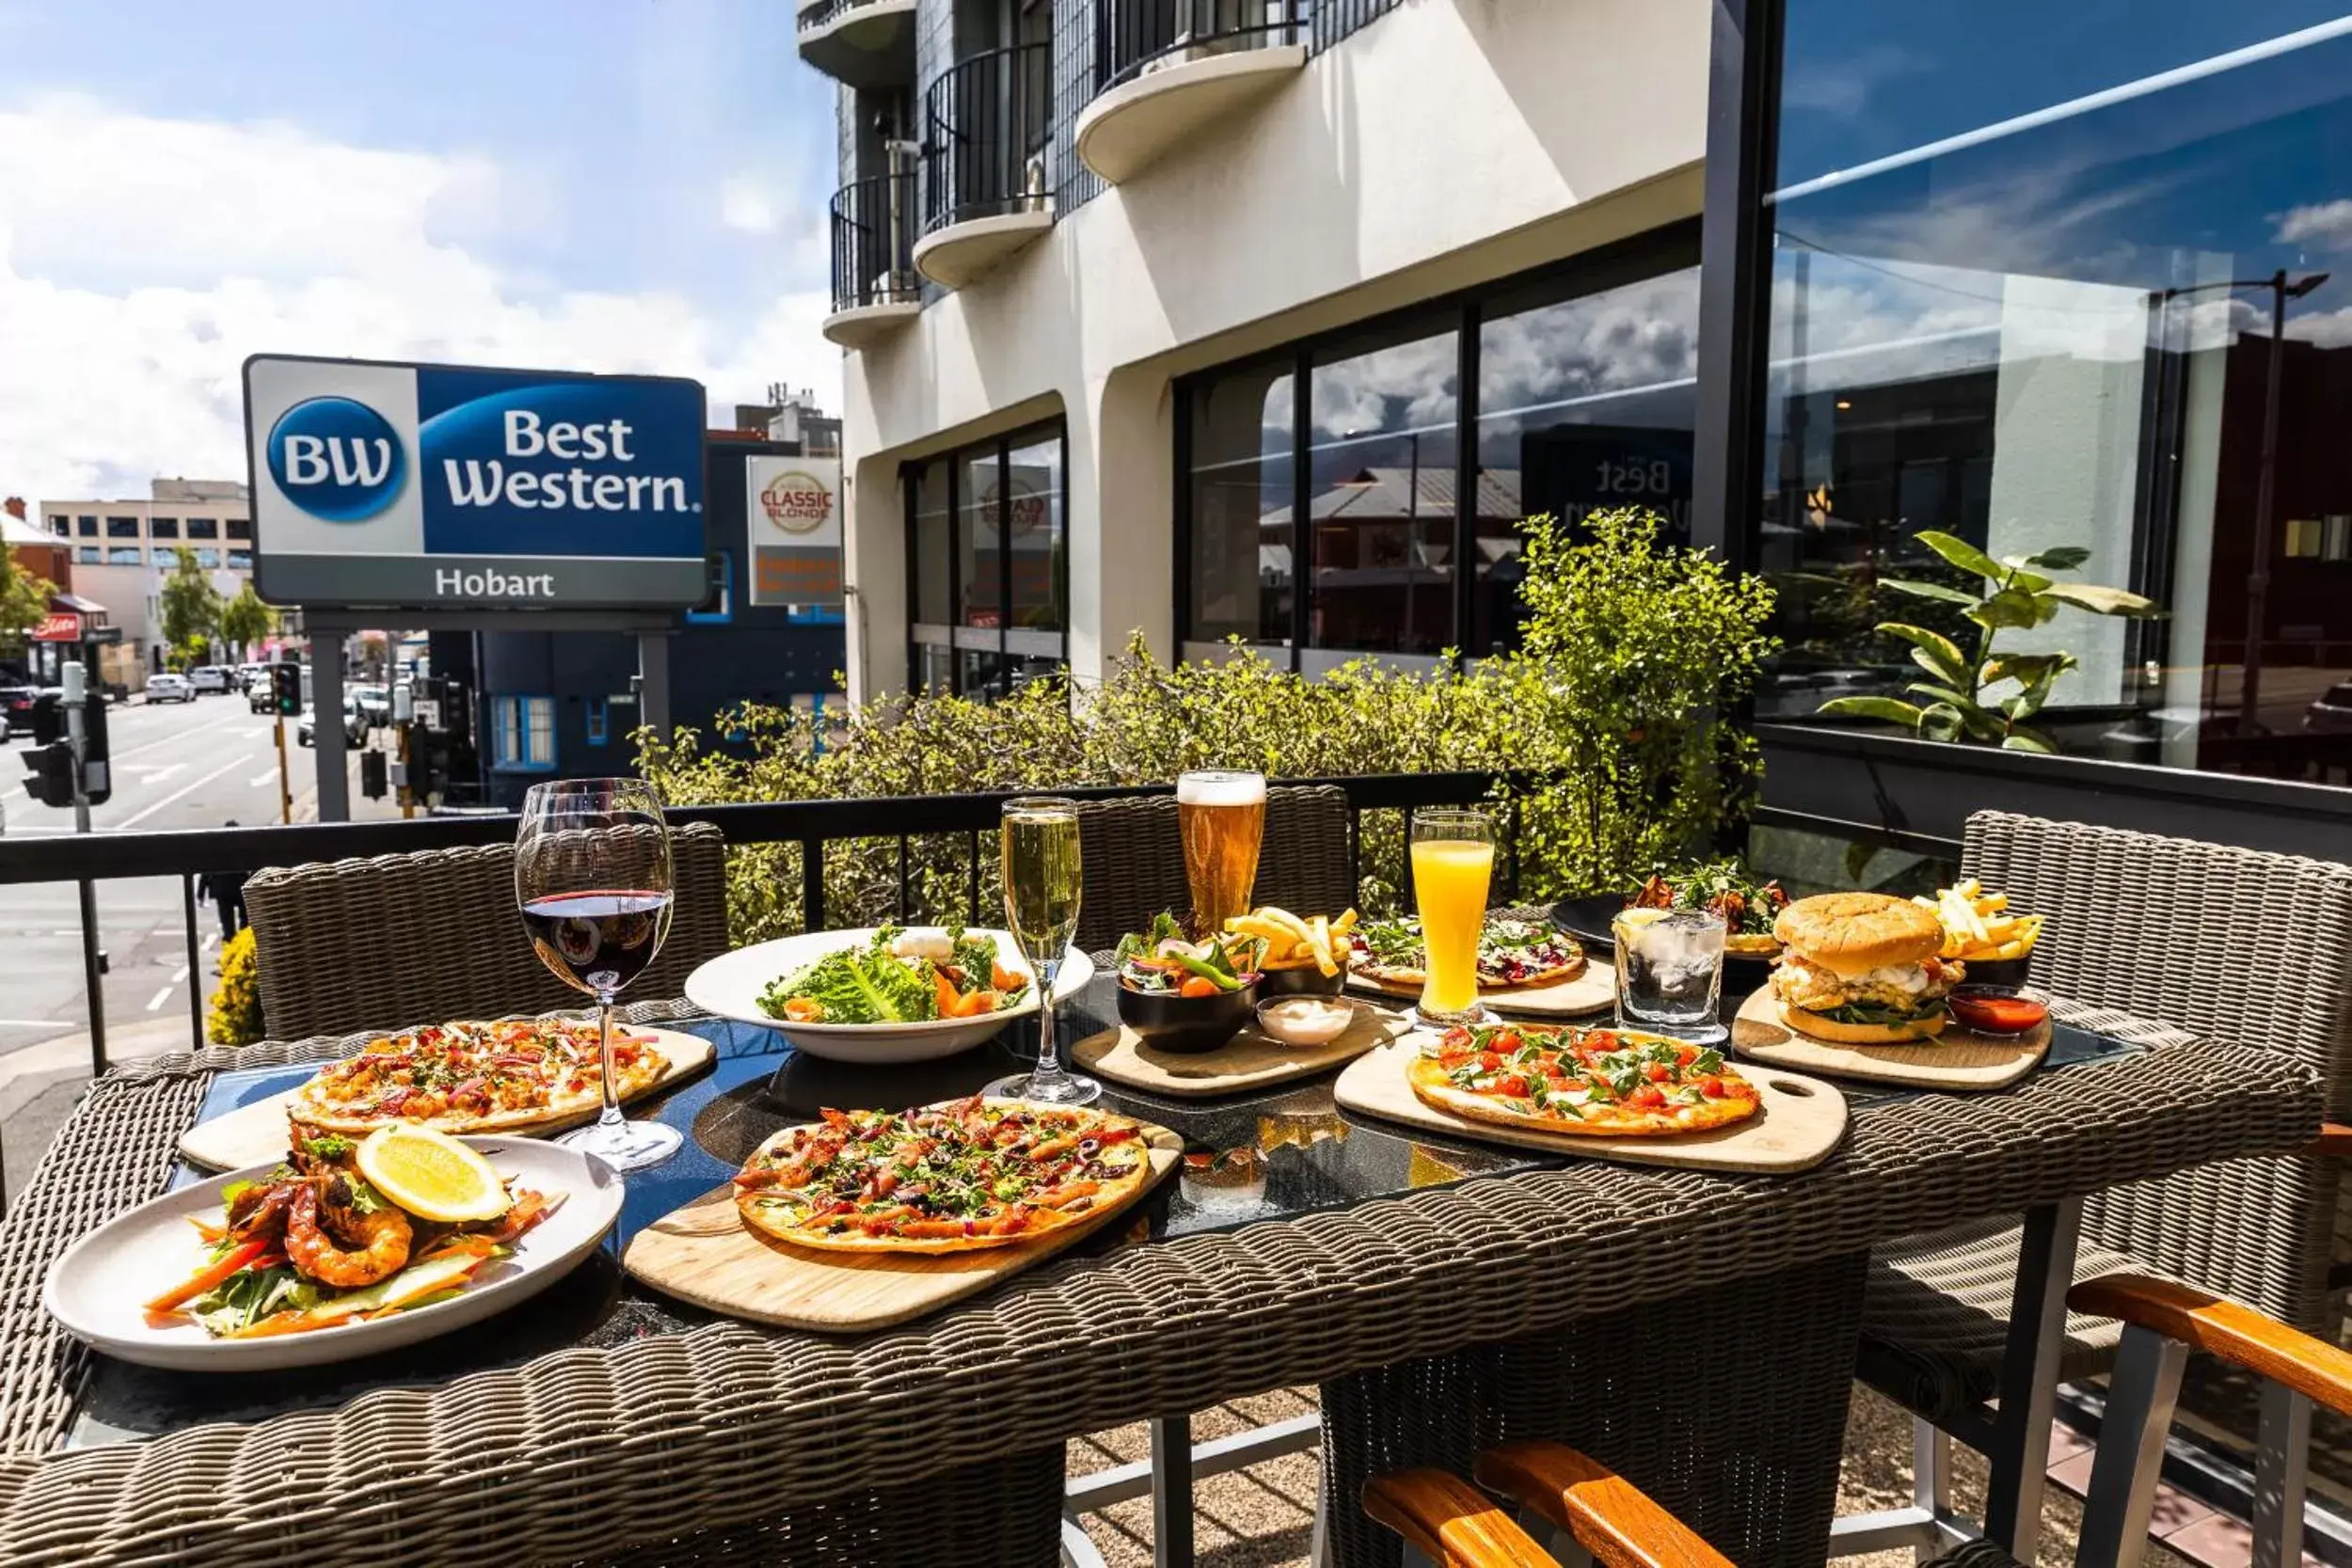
{"x":1302,"y":958}
{"x":1980,"y":933}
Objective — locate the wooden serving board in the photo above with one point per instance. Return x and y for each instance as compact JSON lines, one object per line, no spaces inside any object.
{"x":255,"y":1134}
{"x":1251,"y":1060}
{"x":1591,"y":989}
{"x":1801,"y":1122}
{"x":1956,"y":1059}
{"x":705,"y":1253}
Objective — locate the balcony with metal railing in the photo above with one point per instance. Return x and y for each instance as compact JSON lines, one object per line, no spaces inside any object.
{"x":987,"y":124}
{"x":868,"y":44}
{"x":875,"y":289}
{"x":1166,"y":69}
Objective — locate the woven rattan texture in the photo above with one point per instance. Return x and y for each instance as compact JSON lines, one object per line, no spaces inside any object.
{"x":1731,"y":1417}
{"x":1006,"y":1513}
{"x":1135,"y":861}
{"x":402,"y":940}
{"x":1977,"y":1554}
{"x":728,"y":1424}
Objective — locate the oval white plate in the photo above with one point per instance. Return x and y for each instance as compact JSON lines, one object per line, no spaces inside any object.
{"x":730,"y":985}
{"x":96,"y":1286}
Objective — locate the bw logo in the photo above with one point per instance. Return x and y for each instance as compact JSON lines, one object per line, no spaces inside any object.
{"x":337,"y":459}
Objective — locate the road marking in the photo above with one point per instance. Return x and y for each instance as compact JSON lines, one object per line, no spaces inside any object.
{"x":260,"y":779}
{"x":33,"y":1022}
{"x":157,"y":772}
{"x":210,"y":943}
{"x":179,"y":974}
{"x":160,"y":998}
{"x":134,"y":821}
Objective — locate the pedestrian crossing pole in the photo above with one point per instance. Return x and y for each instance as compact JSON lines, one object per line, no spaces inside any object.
{"x":285,"y":785}
{"x":75,"y":684}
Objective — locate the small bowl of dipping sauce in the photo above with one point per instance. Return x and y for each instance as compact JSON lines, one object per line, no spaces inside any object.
{"x":1995,"y":1010}
{"x":1308,"y":1020}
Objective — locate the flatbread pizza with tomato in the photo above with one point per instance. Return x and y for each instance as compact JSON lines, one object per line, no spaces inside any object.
{"x":1581,"y":1083}
{"x":957,"y":1176}
{"x":476,"y":1078}
{"x":1513,"y":955}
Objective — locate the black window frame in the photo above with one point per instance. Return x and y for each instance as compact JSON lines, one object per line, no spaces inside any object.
{"x":1056,"y":428}
{"x":123,"y":528}
{"x":204,"y":528}
{"x":1652,"y":253}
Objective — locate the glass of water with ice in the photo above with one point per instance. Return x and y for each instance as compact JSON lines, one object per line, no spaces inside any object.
{"x":1670,"y":971}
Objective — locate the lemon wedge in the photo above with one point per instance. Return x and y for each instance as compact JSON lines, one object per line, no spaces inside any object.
{"x":1636,"y":919}
{"x":431,"y":1174}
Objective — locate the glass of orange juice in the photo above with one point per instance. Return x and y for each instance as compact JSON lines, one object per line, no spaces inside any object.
{"x":1454,"y":860}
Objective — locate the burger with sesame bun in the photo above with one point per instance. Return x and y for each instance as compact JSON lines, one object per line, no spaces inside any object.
{"x":1861,"y":969}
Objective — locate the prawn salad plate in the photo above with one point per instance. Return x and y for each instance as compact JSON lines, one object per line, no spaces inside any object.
{"x":881,"y":994}
{"x":344,"y":1248}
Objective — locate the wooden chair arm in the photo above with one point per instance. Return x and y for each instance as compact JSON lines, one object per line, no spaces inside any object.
{"x":1451,"y":1522}
{"x":1609,"y":1516}
{"x":2237,"y":1334}
{"x":2335,"y":1140}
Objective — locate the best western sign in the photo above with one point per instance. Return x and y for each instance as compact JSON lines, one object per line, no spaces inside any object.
{"x":438,"y":487}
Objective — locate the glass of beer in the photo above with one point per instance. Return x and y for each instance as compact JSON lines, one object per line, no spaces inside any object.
{"x":1454,"y":860}
{"x":1038,"y":835}
{"x":1221,"y":817}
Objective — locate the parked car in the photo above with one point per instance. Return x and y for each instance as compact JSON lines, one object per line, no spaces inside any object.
{"x":16,"y":708}
{"x":208,"y":677}
{"x":262,"y":697}
{"x":171,"y":688}
{"x":250,"y":675}
{"x":2332,"y":713}
{"x":355,"y":724}
{"x":376,"y":702}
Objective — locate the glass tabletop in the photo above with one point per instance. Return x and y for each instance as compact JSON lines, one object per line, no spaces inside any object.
{"x":1248,"y":1157}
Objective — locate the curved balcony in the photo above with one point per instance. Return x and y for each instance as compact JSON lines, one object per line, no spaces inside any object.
{"x":984,"y":188}
{"x":1169,"y":68}
{"x":875,"y":288}
{"x":865,"y":44}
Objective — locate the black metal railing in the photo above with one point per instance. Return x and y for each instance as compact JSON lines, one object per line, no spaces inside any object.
{"x":874,"y":229}
{"x":1132,"y":36}
{"x":826,"y":12}
{"x":986,"y":124}
{"x":811,"y":825}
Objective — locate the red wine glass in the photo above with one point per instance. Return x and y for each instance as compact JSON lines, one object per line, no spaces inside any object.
{"x":591,"y":873}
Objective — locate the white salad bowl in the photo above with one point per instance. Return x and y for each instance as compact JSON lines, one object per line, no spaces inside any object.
{"x":730,"y":987}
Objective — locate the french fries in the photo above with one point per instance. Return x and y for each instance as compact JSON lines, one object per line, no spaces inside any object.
{"x":1977,"y":925}
{"x":1291,"y":942}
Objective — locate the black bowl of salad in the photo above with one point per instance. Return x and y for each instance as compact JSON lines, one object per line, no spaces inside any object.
{"x":1185,"y":996}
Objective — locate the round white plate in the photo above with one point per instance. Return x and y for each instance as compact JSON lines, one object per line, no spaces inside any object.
{"x":730,"y":985}
{"x":95,"y":1288}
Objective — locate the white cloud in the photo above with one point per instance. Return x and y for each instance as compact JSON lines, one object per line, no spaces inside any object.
{"x":2329,"y":223}
{"x":142,"y":258}
{"x":745,"y":204}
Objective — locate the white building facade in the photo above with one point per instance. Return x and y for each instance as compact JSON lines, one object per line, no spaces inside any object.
{"x":122,"y":549}
{"x":1191,"y":318}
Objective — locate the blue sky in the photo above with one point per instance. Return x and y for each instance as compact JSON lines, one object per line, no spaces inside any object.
{"x":600,"y":183}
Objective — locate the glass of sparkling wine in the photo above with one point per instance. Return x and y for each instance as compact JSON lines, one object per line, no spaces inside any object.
{"x":1221,"y":818}
{"x":1039,"y":836}
{"x":1670,"y":971}
{"x":1454,"y":860}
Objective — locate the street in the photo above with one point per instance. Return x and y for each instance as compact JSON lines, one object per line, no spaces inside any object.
{"x":175,"y":766}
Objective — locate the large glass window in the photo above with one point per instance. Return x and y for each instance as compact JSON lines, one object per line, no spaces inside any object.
{"x":1587,"y":396}
{"x":203,"y":528}
{"x":122,"y":528}
{"x":163,"y":527}
{"x":86,"y":526}
{"x":1244,"y":546}
{"x":1381,"y":449}
{"x":125,"y":555}
{"x":987,"y":565}
{"x":240,"y":528}
{"x":2054,"y":332}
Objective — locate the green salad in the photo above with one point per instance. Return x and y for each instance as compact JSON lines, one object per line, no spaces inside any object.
{"x":898,"y":978}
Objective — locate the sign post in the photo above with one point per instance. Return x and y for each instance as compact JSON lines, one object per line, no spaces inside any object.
{"x":76,"y":692}
{"x":474,"y":498}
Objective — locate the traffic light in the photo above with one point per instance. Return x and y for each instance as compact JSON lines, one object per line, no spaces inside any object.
{"x":97,"y":776}
{"x":48,"y":773}
{"x":48,"y":719}
{"x":285,"y":690}
{"x":372,"y":776}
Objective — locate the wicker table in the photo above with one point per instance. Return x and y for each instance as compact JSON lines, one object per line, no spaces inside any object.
{"x":1442,"y":1293}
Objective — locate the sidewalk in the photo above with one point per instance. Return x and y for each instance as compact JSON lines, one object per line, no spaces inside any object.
{"x":40,"y":1083}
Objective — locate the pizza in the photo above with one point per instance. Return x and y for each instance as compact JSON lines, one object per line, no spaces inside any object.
{"x":1512,"y":955}
{"x":952,"y":1178}
{"x":1581,"y":1083}
{"x":476,"y":1077}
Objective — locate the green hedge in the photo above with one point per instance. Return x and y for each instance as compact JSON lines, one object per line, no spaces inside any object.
{"x":1631,"y":653}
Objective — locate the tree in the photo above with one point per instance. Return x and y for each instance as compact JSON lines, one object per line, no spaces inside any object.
{"x":23,"y":601}
{"x":191,"y":604}
{"x":246,"y":620}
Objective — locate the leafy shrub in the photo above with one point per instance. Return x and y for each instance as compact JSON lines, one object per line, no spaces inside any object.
{"x":1633,"y":654}
{"x":235,"y":1014}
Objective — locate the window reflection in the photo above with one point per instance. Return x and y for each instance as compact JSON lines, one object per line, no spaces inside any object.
{"x":1381,"y":482}
{"x":1243,"y":543}
{"x":2058,"y":333}
{"x":987,"y":532}
{"x":1584,"y":401}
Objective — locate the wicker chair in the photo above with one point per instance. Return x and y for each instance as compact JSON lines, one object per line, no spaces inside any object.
{"x":2228,"y":942}
{"x":411,"y":939}
{"x":1135,"y":861}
